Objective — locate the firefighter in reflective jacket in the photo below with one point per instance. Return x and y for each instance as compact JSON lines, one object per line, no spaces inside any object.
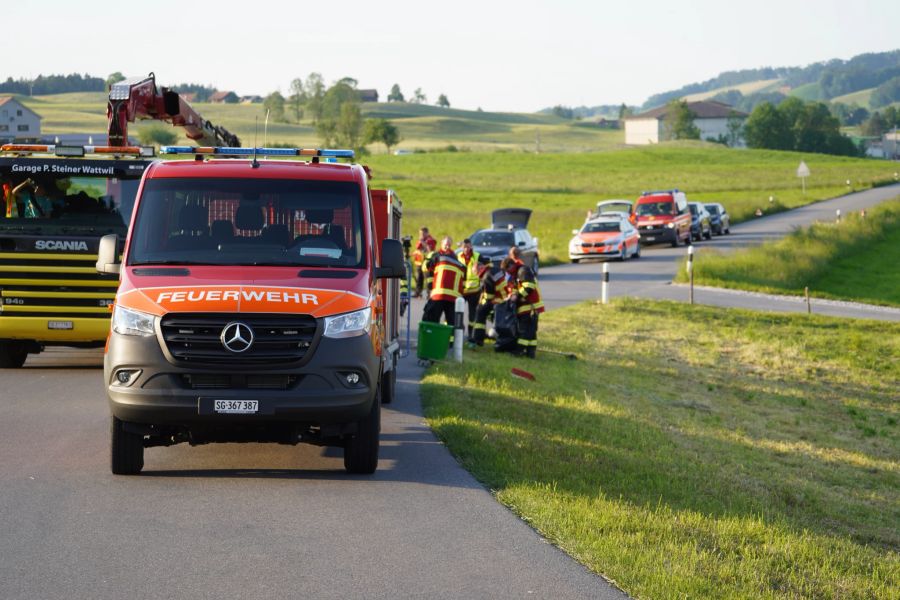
{"x":472,"y":287}
{"x":493,"y":292}
{"x":528,"y":307}
{"x":424,"y":245}
{"x":449,"y":279}
{"x":426,"y":271}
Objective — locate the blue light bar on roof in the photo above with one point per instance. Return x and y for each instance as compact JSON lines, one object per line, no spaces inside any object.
{"x":226,"y":151}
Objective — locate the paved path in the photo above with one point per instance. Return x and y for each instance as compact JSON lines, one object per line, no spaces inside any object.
{"x":651,"y":275}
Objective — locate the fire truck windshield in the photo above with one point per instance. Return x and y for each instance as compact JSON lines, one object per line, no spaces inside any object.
{"x":248,"y":222}
{"x":66,"y":204}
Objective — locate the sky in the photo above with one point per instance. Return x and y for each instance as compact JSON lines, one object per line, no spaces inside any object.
{"x":499,"y":56}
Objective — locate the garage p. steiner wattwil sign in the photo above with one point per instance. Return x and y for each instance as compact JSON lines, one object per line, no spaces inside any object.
{"x":803,"y":172}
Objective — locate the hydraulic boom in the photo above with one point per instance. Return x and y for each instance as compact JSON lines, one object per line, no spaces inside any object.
{"x":140,"y":98}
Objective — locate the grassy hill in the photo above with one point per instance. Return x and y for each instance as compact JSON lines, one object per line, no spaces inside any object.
{"x":421,"y":126}
{"x":752,"y":87}
{"x":453,"y":193}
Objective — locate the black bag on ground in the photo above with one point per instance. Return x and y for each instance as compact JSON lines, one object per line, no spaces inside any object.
{"x":505,"y":323}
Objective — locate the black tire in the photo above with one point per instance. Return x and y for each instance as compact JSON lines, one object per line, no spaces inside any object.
{"x":637,"y":252}
{"x":575,"y":261}
{"x":361,"y":450}
{"x":13,"y":354}
{"x":624,"y":256}
{"x":126,"y":448}
{"x":388,"y":393}
{"x":708,"y":234}
{"x":677,"y":240}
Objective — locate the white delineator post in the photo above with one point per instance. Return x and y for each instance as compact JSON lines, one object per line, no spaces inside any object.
{"x":690,"y":269}
{"x":459,"y":329}
{"x":604,"y":285}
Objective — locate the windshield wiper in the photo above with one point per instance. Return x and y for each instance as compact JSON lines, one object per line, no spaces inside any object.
{"x":143,"y":263}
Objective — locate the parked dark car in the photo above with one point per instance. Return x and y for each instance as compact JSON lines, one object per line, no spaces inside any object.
{"x":701,"y":224}
{"x":718,"y":217}
{"x":508,"y":228}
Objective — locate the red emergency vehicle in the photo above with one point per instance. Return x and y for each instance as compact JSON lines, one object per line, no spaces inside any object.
{"x":257,"y":303}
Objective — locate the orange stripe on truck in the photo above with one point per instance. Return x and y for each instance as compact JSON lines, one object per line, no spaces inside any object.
{"x":249,"y":299}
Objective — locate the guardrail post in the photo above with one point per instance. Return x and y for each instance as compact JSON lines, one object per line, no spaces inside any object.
{"x":604,"y":286}
{"x":459,"y":329}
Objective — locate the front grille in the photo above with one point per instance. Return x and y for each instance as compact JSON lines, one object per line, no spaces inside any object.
{"x":221,"y":381}
{"x":278,"y":338}
{"x":54,"y":285}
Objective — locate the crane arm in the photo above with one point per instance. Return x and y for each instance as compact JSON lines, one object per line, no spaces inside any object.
{"x":140,"y":98}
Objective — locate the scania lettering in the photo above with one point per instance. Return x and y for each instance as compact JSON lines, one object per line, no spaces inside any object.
{"x":258,"y":302}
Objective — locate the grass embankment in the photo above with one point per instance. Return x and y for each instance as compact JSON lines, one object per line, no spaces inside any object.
{"x":856,"y":259}
{"x":454,"y":192}
{"x":421,"y":126}
{"x":694,"y":452}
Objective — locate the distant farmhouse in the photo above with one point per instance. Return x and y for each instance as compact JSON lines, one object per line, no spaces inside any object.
{"x":253,"y":99}
{"x":17,"y":120}
{"x":225,"y":97}
{"x":368,"y":95}
{"x":712,"y":121}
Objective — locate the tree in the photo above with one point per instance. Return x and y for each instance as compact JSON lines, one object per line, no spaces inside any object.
{"x":875,"y":126}
{"x":340,"y":120}
{"x":735,"y":126}
{"x":563,"y":112}
{"x":886,"y":93}
{"x":158,"y":135}
{"x":298,"y":98}
{"x":382,"y":130}
{"x":349,"y":82}
{"x":443,"y":102}
{"x":766,"y":127}
{"x":396,"y":95}
{"x":274,"y":104}
{"x":624,"y":111}
{"x":315,"y":94}
{"x":114,"y":78}
{"x":679,"y":122}
{"x":349,"y":127}
{"x":419,"y":97}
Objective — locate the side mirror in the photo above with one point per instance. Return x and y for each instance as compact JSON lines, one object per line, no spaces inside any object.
{"x":108,"y":255}
{"x":574,"y":232}
{"x":392,"y":266}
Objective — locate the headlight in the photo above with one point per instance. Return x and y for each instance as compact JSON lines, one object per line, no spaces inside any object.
{"x":349,"y":325}
{"x":670,"y":225}
{"x":132,"y":322}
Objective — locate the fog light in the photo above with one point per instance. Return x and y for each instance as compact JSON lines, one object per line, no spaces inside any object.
{"x":352,"y":378}
{"x":125,"y":376}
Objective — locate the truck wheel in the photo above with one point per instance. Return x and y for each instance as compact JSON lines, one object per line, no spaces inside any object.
{"x":389,"y":384}
{"x":361,"y":450}
{"x":677,"y":240}
{"x":13,"y":354}
{"x":127,"y":449}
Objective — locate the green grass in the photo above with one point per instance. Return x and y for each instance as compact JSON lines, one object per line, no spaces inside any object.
{"x":856,"y":259}
{"x":750,"y":87}
{"x":453,"y":193}
{"x":861,"y":98}
{"x":809,"y":92}
{"x":694,"y":452}
{"x":421,"y":126}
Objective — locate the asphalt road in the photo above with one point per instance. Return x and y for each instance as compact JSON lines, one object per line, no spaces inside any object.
{"x":650,"y":276}
{"x":252,"y":520}
{"x":247,"y":521}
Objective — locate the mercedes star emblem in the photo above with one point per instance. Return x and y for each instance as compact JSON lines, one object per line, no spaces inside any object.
{"x":237,"y":337}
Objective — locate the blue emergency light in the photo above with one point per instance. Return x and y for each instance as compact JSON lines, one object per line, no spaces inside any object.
{"x":226,"y":151}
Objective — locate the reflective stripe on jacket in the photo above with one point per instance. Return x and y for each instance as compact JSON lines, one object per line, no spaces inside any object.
{"x":449,"y":276}
{"x":529,"y":295}
{"x":473,"y":282}
{"x":494,"y":289}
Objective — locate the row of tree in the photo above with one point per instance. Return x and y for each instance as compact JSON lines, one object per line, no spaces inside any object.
{"x":53,"y":84}
{"x":418,"y":97}
{"x":797,"y":125}
{"x":334,"y":111}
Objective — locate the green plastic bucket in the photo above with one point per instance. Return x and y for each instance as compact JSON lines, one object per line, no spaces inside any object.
{"x":434,"y":341}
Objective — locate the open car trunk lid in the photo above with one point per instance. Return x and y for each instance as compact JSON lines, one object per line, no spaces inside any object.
{"x":502,"y":218}
{"x":614,"y":206}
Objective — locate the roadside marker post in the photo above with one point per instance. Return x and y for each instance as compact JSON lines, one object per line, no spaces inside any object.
{"x":458,"y":329}
{"x":802,"y":172}
{"x":808,"y":304}
{"x":604,"y":286}
{"x":690,"y":270}
{"x":838,"y":213}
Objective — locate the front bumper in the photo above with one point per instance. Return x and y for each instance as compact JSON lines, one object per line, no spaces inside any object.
{"x":313,"y":392}
{"x":601,"y":252}
{"x":657,"y":234}
{"x":55,"y":330}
